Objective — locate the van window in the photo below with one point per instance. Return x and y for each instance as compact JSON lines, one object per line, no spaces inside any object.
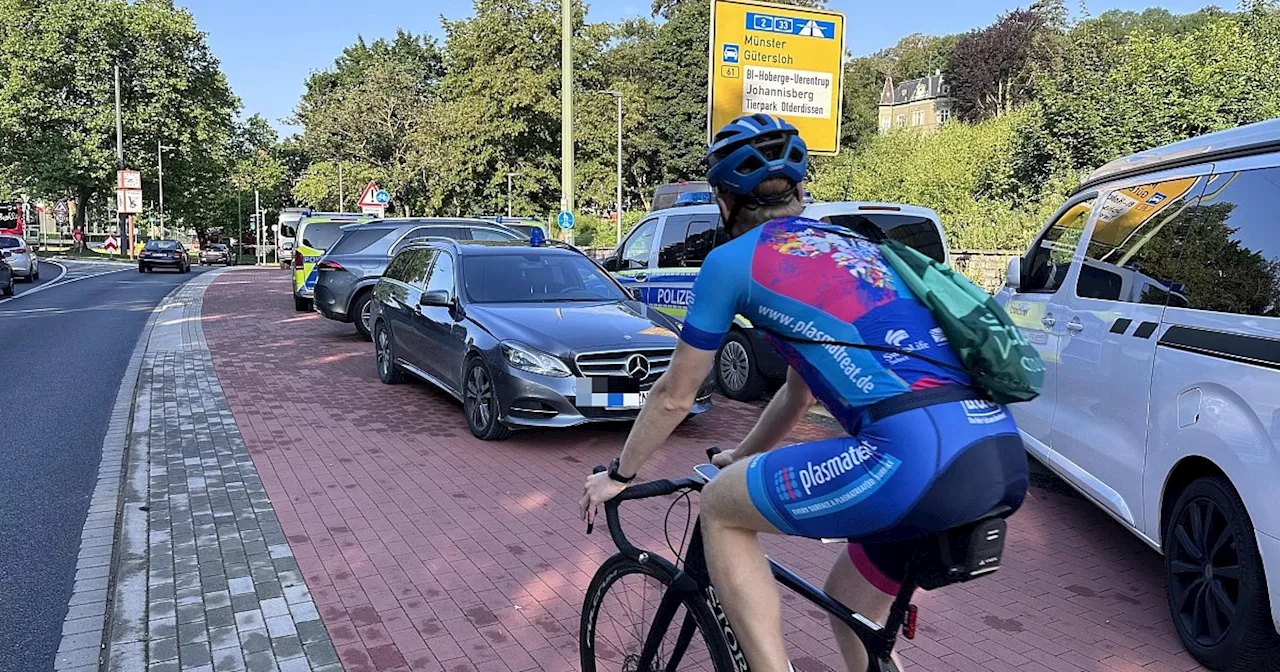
{"x":423,"y":232}
{"x":1050,"y":259}
{"x":1135,"y":239}
{"x":635,"y":252}
{"x":358,"y":240}
{"x":322,"y":235}
{"x":919,"y":233}
{"x":1229,"y":259}
{"x":705,"y":234}
{"x":671,"y":248}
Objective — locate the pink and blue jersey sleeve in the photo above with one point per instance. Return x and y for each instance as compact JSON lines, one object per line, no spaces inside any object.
{"x":719,"y":293}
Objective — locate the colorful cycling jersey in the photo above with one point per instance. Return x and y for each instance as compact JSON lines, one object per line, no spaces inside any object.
{"x":811,"y":281}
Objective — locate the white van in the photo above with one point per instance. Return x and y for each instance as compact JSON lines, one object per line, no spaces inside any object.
{"x":1153,"y":297}
{"x":659,"y":260}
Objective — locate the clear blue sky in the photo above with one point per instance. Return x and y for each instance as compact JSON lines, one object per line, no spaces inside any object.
{"x":268,"y":47}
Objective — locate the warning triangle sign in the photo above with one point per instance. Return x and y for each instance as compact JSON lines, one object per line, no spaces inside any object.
{"x":370,"y":196}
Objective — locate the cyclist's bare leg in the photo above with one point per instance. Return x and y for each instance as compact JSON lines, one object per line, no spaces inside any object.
{"x":739,"y":570}
{"x":847,"y":585}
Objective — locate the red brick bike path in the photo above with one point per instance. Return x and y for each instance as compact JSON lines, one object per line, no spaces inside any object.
{"x":427,"y":549}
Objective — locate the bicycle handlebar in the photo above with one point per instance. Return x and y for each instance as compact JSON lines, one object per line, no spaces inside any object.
{"x":645,"y":490}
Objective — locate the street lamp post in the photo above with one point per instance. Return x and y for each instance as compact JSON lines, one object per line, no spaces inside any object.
{"x":617,"y":95}
{"x":509,"y":176}
{"x":160,"y":164}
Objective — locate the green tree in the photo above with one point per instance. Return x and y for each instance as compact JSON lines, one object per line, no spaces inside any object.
{"x":57,"y":125}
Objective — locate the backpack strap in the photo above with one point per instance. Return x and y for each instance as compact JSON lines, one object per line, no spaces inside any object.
{"x":875,"y":348}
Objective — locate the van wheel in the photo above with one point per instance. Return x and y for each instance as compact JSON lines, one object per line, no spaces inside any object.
{"x":1214,"y":580}
{"x":300,"y":304}
{"x":480,"y":404}
{"x":736,"y":371}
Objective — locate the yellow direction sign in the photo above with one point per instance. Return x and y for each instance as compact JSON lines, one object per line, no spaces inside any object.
{"x":780,"y":60}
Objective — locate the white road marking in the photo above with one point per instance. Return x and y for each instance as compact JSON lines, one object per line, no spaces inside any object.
{"x":58,"y":282}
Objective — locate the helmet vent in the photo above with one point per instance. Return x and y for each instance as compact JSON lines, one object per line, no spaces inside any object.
{"x":749,"y":165}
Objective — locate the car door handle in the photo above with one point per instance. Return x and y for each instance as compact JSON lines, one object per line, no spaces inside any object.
{"x":1075,"y":325}
{"x":641,"y":277}
{"x":1048,"y":321}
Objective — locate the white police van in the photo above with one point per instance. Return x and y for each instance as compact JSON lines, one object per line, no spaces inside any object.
{"x":660,"y":258}
{"x":1153,"y":297}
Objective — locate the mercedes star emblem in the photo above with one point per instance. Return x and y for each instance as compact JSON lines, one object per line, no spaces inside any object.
{"x":637,"y":367}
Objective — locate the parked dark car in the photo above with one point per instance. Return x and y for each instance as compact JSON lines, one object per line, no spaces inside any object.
{"x":216,"y":253}
{"x":6,"y":275}
{"x":524,"y":336}
{"x":346,"y":274}
{"x":164,"y":254}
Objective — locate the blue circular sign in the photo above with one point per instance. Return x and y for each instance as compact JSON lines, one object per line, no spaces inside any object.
{"x":382,"y":196}
{"x":565,"y":220}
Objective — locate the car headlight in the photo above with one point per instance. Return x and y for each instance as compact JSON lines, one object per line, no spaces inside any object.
{"x":525,"y":358}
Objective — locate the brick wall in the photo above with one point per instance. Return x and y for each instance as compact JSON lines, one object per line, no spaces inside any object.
{"x":984,"y":267}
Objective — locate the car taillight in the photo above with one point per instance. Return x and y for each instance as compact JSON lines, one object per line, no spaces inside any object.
{"x":297,"y":259}
{"x":327,"y":265}
{"x":19,"y":250}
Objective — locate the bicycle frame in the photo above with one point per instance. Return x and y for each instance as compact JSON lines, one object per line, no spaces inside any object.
{"x":695,"y":580}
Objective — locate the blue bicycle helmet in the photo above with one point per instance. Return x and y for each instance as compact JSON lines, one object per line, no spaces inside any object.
{"x":754,"y":148}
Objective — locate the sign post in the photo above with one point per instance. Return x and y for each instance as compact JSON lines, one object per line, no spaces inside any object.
{"x":128,"y":202}
{"x":374,"y":200}
{"x":780,"y":60}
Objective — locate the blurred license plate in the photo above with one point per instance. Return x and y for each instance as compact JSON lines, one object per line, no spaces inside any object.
{"x":612,"y":394}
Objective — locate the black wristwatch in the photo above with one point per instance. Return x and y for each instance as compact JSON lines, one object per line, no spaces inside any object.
{"x":614,"y":475}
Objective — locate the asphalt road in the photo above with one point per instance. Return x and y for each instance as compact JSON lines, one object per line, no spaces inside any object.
{"x":63,"y":352}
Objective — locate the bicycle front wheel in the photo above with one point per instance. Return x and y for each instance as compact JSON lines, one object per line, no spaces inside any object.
{"x":620,"y":605}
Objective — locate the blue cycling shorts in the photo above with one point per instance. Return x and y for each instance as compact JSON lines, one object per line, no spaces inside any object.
{"x":901,"y":477}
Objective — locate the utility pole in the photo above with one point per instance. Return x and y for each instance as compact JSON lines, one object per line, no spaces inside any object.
{"x":617,"y":96}
{"x":239,"y":246}
{"x":257,"y":213}
{"x":120,"y":216}
{"x":566,"y":110}
{"x":509,"y":194}
{"x":341,"y":196}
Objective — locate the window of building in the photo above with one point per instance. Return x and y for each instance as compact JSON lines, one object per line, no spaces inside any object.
{"x":902,"y":120}
{"x":1051,"y":257}
{"x":1130,"y":251}
{"x":944,"y":115}
{"x":1228,"y":247}
{"x":918,"y":118}
{"x":886,"y":123}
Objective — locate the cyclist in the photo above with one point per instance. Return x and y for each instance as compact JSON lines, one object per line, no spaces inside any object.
{"x":925,"y":451}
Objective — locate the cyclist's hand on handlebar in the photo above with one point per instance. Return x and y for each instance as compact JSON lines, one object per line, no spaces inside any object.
{"x":598,"y":490}
{"x":723,"y":458}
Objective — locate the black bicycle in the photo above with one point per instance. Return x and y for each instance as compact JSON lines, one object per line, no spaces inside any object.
{"x":641,"y":642}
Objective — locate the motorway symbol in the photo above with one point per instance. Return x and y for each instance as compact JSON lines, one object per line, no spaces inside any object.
{"x":812,"y":29}
{"x":565,"y":220}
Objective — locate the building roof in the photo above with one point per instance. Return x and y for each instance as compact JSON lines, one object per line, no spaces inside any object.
{"x":924,"y":88}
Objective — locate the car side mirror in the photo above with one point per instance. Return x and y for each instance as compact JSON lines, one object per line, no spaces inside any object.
{"x":610,"y":264}
{"x":8,"y":254}
{"x":436,"y":298}
{"x":636,"y":293}
{"x":1013,"y":274}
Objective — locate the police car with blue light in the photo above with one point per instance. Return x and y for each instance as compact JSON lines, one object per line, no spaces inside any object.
{"x":660,"y":258}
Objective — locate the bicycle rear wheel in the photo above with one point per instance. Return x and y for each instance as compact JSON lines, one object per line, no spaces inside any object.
{"x":620,"y":605}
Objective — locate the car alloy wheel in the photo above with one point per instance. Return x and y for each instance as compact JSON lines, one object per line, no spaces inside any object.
{"x":1216,"y":582}
{"x":480,"y":403}
{"x":388,"y":371}
{"x":736,"y":372}
{"x":1205,"y":568}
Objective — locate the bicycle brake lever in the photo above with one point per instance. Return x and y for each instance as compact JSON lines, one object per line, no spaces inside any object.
{"x":598,"y":468}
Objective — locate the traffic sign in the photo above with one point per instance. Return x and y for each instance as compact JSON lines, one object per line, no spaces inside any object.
{"x":370,"y":196}
{"x":129,"y":201}
{"x":111,"y":245}
{"x":565,"y":220}
{"x":780,"y":60}
{"x":375,"y":210}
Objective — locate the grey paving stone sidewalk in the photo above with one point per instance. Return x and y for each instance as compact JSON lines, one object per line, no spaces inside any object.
{"x":222,"y":590}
